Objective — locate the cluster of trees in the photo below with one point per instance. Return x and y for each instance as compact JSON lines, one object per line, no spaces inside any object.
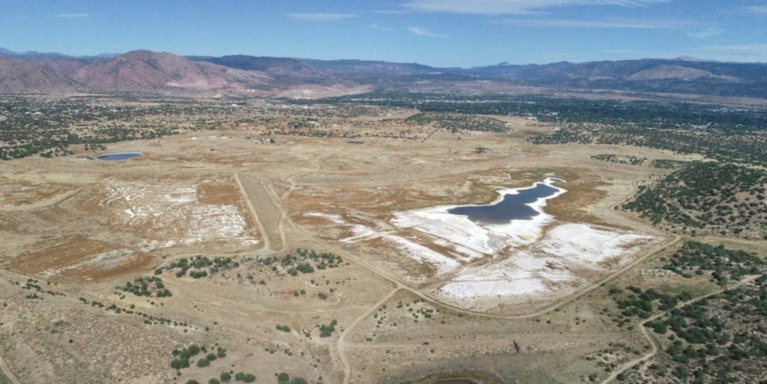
{"x":668,"y":164}
{"x":304,"y":261}
{"x":715,"y":197}
{"x":198,"y":266}
{"x":327,"y":330}
{"x":35,"y":284}
{"x":146,"y":286}
{"x":51,"y":127}
{"x":183,"y":356}
{"x":456,"y":122}
{"x":613,"y":158}
{"x":284,"y":378}
{"x":658,"y":114}
{"x":720,"y":339}
{"x":747,"y":146}
{"x":640,"y":303}
{"x":226,"y":377}
{"x":725,"y":265}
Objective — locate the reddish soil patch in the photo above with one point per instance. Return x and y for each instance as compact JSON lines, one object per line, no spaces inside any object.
{"x":69,"y":261}
{"x":218,"y":193}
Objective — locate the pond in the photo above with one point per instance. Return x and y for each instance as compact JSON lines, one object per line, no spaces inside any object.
{"x":515,"y":205}
{"x":118,"y":156}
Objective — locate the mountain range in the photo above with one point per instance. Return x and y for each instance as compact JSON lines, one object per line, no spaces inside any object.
{"x":146,"y":71}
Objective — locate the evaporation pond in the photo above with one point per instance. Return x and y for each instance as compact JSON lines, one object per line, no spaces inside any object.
{"x":118,"y":156}
{"x":511,"y":207}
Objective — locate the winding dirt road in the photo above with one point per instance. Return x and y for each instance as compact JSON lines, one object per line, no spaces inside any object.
{"x":654,"y":342}
{"x":7,"y":372}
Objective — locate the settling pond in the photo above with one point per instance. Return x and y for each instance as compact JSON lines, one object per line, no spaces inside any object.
{"x":515,"y":205}
{"x":118,"y":156}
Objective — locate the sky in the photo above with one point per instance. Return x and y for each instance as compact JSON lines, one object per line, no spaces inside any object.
{"x":445,"y":33}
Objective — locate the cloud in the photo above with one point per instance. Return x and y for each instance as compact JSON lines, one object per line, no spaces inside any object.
{"x":758,"y":9}
{"x":380,"y":28}
{"x":423,"y":32}
{"x":607,"y":23}
{"x":321,"y":16}
{"x":706,"y":33}
{"x":513,"y":7}
{"x":391,"y":12}
{"x":71,"y":15}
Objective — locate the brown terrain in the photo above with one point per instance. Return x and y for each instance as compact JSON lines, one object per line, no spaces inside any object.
{"x":76,"y":231}
{"x":144,"y":69}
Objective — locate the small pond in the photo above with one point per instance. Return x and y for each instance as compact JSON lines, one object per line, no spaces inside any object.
{"x":118,"y":156}
{"x":511,"y":207}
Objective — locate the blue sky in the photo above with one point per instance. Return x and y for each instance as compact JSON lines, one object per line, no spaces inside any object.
{"x":434,"y":32}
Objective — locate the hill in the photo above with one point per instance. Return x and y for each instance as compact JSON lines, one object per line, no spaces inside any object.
{"x":141,"y":70}
{"x":22,"y":76}
{"x":150,"y":71}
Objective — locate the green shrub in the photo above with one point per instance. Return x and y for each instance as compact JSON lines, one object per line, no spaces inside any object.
{"x":244,"y":377}
{"x":179,"y":364}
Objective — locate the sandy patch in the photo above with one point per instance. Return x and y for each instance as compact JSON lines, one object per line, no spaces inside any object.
{"x":173,"y":215}
{"x":555,"y":263}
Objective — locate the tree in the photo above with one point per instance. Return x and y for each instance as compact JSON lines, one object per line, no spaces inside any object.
{"x":283,"y":377}
{"x":225,"y":376}
{"x":298,"y":380}
{"x":179,"y":363}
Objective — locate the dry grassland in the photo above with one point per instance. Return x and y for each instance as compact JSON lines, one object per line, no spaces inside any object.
{"x":80,"y":227}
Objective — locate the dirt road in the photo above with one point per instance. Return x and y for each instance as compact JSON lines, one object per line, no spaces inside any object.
{"x":7,"y":372}
{"x":652,"y":340}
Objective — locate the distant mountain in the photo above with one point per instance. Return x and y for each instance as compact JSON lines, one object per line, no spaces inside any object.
{"x":148,"y":71}
{"x":284,"y":70}
{"x":683,"y":75}
{"x":65,"y":67}
{"x":22,"y":76}
{"x":316,"y":69}
{"x":647,"y":75}
{"x":365,"y":68}
{"x":43,"y":56}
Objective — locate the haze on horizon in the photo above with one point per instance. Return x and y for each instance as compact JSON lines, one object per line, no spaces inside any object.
{"x":445,"y":33}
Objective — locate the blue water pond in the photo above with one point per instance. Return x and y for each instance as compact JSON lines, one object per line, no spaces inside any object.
{"x":511,"y":207}
{"x":118,"y":156}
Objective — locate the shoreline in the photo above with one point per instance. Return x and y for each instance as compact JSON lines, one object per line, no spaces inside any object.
{"x":484,"y":238}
